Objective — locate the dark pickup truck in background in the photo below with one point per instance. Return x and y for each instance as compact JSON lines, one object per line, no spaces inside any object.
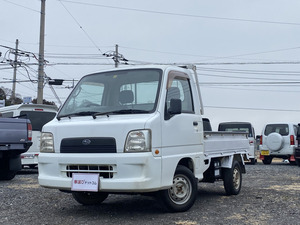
{"x":15,"y":139}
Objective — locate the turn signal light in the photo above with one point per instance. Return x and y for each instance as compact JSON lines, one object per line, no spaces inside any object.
{"x":260,"y":140}
{"x":29,"y":128}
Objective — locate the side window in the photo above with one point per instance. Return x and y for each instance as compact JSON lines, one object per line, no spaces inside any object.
{"x":179,"y":88}
{"x":143,"y":93}
{"x":295,"y":130}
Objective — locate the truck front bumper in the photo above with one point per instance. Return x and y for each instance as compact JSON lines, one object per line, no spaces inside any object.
{"x":118,"y":172}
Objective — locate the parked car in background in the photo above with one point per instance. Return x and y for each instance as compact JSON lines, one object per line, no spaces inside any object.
{"x":38,"y":115}
{"x":242,"y":127}
{"x":297,"y":149}
{"x":15,"y":138}
{"x":278,"y":140}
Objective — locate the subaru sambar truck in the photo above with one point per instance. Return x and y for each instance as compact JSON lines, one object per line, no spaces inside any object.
{"x":138,"y":130}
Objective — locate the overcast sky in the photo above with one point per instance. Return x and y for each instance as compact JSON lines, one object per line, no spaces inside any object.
{"x":245,"y":51}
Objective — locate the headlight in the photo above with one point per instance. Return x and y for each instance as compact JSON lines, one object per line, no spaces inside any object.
{"x":138,"y":141}
{"x":47,"y":143}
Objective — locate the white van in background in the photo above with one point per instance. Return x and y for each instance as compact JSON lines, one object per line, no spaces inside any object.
{"x":39,"y":115}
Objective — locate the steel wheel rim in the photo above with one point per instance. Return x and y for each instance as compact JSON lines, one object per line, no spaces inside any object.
{"x":236,"y":178}
{"x":181,"y":190}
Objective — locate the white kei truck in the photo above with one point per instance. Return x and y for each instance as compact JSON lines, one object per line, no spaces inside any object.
{"x":138,"y":130}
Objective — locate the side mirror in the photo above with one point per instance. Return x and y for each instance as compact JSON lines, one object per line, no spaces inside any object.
{"x":175,"y":107}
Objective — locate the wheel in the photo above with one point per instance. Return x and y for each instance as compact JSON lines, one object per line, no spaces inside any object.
{"x":298,"y":162}
{"x":182,"y":195}
{"x":267,"y":160}
{"x":233,"y":179}
{"x":293,"y":162}
{"x":7,"y":175}
{"x":252,"y":161}
{"x":89,"y":198}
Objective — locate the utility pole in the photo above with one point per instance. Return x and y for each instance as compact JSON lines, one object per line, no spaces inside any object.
{"x":41,"y":55}
{"x":13,"y":95}
{"x":117,"y":57}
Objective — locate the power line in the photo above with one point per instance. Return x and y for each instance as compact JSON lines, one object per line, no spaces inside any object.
{"x":88,"y":36}
{"x":251,"y":90}
{"x":249,"y":63}
{"x":183,"y":15}
{"x":297,"y":83}
{"x":248,"y":78}
{"x":213,"y":57}
{"x":259,"y":72}
{"x":164,"y":52}
{"x":264,"y":109}
{"x":21,"y":6}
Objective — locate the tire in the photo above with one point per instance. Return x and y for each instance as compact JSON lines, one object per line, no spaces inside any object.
{"x":298,"y":162}
{"x":233,"y":179}
{"x":252,"y":161}
{"x":7,"y":175}
{"x":183,"y":193}
{"x":274,"y":142}
{"x":267,"y":160}
{"x":89,"y":198}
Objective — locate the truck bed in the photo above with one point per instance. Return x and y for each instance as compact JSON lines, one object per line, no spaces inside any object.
{"x":225,"y":143}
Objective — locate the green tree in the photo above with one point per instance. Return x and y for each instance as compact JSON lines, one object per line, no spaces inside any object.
{"x":2,"y":94}
{"x":44,"y":102}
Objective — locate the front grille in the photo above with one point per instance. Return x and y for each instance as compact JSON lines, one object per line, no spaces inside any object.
{"x":88,"y":145}
{"x":104,"y":171}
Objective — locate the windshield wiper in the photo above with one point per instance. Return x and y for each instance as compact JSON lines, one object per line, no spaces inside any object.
{"x":83,"y":113}
{"x":122,"y":111}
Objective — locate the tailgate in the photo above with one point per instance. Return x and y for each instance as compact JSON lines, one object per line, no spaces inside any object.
{"x":13,"y":131}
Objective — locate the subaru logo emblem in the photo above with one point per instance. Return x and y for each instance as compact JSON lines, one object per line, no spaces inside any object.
{"x":86,"y":141}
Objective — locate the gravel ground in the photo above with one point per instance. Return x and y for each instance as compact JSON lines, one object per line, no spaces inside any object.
{"x":270,"y":195}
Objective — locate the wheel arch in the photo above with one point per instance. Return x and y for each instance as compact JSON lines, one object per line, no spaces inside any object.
{"x":188,"y":163}
{"x":227,"y":161}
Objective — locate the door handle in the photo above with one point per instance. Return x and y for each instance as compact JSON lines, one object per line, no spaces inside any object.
{"x":195,"y":123}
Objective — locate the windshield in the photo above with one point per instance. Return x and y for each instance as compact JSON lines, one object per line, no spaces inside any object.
{"x":236,"y":128}
{"x":132,"y":91}
{"x":282,"y":129}
{"x":38,"y":118}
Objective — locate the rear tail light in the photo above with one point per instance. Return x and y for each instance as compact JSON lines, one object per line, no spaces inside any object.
{"x":260,"y":140}
{"x":29,"y":131}
{"x":292,"y":140}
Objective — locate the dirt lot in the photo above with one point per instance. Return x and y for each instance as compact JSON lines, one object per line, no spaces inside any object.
{"x":270,"y":195}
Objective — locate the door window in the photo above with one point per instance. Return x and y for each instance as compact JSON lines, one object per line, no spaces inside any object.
{"x":179,"y":88}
